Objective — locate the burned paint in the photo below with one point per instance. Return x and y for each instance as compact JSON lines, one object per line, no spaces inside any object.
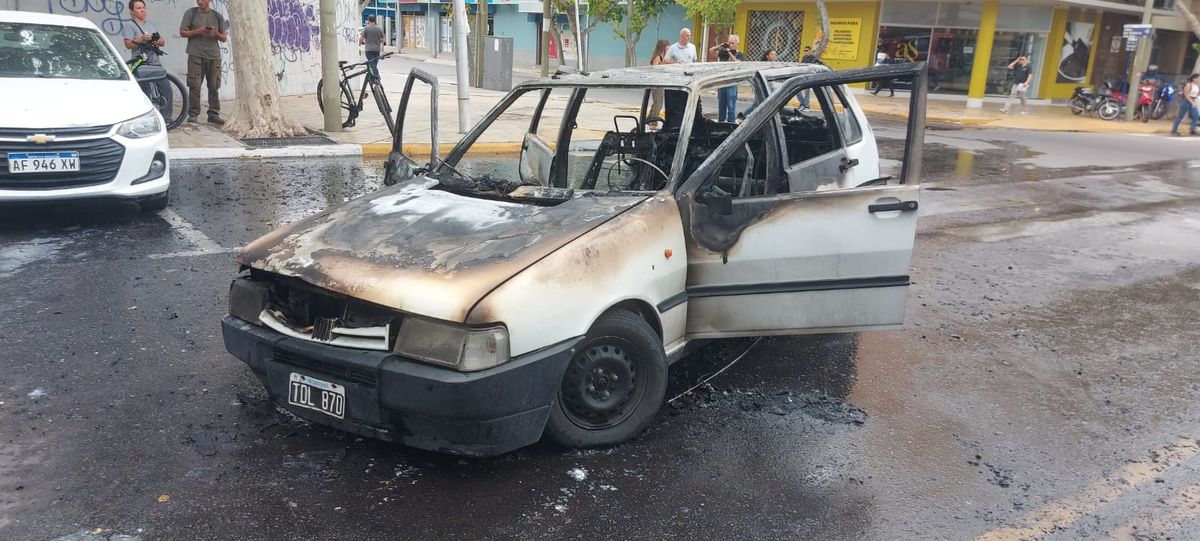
{"x":424,"y":250}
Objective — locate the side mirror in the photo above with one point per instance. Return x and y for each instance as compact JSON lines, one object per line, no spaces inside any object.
{"x":718,"y":199}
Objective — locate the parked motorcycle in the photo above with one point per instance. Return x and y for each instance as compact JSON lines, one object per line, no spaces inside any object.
{"x":1112,"y":102}
{"x":1084,"y":100}
{"x":1147,"y":90}
{"x":1163,"y":99}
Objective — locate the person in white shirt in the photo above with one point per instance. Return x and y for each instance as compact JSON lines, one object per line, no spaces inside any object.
{"x":682,"y":51}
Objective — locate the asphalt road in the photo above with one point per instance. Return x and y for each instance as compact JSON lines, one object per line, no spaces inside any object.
{"x":1043,"y":387}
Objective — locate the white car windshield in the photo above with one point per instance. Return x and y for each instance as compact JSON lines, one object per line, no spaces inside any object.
{"x":46,"y":51}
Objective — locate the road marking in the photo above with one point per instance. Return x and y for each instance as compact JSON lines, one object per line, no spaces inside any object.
{"x":1060,"y":515}
{"x":197,"y":238}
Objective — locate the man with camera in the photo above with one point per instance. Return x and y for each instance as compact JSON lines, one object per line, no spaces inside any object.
{"x":204,"y":29}
{"x":727,"y":96}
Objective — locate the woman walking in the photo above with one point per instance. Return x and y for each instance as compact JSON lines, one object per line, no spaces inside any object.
{"x":1187,"y":106}
{"x":658,"y":58}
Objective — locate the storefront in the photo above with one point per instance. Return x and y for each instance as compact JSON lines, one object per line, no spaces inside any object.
{"x":945,"y":34}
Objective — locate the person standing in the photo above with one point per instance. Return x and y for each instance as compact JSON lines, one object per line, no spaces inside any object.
{"x":682,"y":51}
{"x":806,"y":94}
{"x":142,"y":38}
{"x":1188,"y":106}
{"x":372,"y":41}
{"x":205,"y":30}
{"x":727,"y":96}
{"x":1022,"y":74}
{"x":770,"y":56}
{"x":881,"y":59}
{"x":656,"y":95}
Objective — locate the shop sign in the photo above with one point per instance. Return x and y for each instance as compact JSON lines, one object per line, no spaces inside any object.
{"x":844,"y":37}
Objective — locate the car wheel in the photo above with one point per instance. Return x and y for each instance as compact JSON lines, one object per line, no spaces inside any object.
{"x":613,"y":386}
{"x":154,"y":202}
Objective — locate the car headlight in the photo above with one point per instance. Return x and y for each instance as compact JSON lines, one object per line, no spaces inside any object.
{"x":142,"y":126}
{"x":455,"y":346}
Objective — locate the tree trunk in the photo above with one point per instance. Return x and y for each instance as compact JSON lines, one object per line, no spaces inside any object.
{"x":257,"y":111}
{"x":820,"y":47}
{"x":1193,"y":23}
{"x":556,"y":36}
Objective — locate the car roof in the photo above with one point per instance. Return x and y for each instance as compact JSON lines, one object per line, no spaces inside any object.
{"x":45,"y":18}
{"x":693,"y":76}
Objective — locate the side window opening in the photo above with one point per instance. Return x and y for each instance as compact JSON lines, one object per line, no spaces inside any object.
{"x":851,"y":131}
{"x":812,"y":133}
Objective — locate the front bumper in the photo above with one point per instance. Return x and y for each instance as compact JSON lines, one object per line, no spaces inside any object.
{"x":135,"y":164}
{"x":395,"y":399}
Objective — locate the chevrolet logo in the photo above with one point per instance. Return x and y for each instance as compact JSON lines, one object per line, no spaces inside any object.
{"x":40,"y":138}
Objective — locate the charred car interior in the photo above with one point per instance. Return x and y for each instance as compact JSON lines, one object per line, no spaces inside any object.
{"x":507,"y":292}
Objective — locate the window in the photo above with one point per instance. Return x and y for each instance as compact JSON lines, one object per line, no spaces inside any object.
{"x":851,"y":130}
{"x":753,"y":170}
{"x":808,"y":132}
{"x":61,"y":52}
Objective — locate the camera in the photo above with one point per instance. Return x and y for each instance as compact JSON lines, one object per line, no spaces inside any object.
{"x":723,"y":52}
{"x":155,"y":37}
{"x":208,"y":28}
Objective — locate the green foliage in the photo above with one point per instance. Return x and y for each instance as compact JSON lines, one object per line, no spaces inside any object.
{"x":644,"y":11}
{"x":715,"y":12}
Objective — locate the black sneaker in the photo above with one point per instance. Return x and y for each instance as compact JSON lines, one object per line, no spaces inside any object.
{"x":216,"y":120}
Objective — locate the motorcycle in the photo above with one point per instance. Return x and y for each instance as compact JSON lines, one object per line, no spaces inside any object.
{"x":1163,"y":100}
{"x":1084,"y":100}
{"x":1112,"y":101}
{"x":1145,"y":103}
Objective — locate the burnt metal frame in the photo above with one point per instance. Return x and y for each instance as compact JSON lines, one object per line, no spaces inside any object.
{"x":398,"y":132}
{"x":766,"y":111}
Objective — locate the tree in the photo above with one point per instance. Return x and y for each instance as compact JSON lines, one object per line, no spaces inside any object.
{"x":718,"y":14}
{"x":1194,"y":24}
{"x":597,"y":12}
{"x":257,"y":111}
{"x":644,"y":11}
{"x":824,"y":41}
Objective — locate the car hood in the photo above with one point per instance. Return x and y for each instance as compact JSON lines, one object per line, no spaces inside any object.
{"x":62,"y":103}
{"x":426,"y":251}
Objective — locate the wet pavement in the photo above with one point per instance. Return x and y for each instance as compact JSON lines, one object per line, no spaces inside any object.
{"x":1044,"y":385}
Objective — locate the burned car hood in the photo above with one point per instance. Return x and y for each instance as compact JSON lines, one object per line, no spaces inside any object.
{"x":426,"y":251}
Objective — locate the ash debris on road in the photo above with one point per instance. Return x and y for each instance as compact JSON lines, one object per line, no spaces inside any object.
{"x":816,"y":405}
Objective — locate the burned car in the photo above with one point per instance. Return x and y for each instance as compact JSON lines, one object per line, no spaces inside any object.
{"x":502,"y":294}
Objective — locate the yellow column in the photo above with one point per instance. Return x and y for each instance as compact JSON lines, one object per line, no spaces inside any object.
{"x":983,"y":53}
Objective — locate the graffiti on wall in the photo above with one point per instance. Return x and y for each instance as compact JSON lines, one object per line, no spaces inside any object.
{"x":293,"y":25}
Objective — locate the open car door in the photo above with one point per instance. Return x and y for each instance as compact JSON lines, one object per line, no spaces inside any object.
{"x":812,"y":238}
{"x":400,"y":165}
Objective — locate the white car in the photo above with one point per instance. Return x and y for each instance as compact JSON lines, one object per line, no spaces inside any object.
{"x":500,"y":294}
{"x":74,"y":123}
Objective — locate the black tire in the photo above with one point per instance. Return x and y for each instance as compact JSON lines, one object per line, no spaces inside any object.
{"x":1078,"y":106}
{"x":179,"y":103}
{"x":613,"y":386}
{"x":1109,"y":109}
{"x":345,"y":116}
{"x":1144,"y":112}
{"x":1160,"y":110}
{"x":385,"y":107}
{"x":154,"y":203}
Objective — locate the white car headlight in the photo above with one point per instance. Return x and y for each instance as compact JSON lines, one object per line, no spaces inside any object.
{"x":142,"y":126}
{"x":455,"y":346}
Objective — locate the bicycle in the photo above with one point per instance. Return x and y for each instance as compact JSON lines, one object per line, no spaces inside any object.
{"x":350,"y":106}
{"x":173,"y":108}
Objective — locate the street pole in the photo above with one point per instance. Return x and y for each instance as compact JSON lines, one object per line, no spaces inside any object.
{"x":547,"y":18}
{"x":578,"y":40}
{"x":1141,"y":59}
{"x":481,"y":13}
{"x":460,"y":63}
{"x":329,"y":67}
{"x":629,"y":56}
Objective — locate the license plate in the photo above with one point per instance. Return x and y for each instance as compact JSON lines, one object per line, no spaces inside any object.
{"x":43,"y":162}
{"x":314,"y":394}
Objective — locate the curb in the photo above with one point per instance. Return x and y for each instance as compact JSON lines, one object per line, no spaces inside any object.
{"x":230,"y":153}
{"x":381,"y":150}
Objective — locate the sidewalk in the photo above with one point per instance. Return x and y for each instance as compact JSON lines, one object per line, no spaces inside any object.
{"x":370,"y":137}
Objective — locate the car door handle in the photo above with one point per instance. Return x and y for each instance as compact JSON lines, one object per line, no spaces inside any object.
{"x":847,"y":163}
{"x":903,"y":206}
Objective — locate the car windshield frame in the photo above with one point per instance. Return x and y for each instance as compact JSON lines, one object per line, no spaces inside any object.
{"x":39,"y":45}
